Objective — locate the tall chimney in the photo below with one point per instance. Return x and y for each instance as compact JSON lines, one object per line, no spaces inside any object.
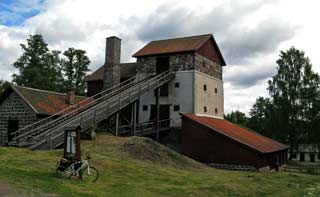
{"x":71,"y":97}
{"x":112,"y":61}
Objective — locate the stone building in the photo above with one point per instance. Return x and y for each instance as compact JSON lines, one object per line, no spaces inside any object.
{"x":198,"y":84}
{"x":21,"y":106}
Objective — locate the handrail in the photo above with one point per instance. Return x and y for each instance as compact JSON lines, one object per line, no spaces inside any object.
{"x":105,"y":103}
{"x":79,"y":107}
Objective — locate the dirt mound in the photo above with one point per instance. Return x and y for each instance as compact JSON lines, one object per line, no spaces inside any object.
{"x":146,"y":149}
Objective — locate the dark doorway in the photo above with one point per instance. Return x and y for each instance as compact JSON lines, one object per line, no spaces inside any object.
{"x":162,"y":65}
{"x":312,"y":158}
{"x":13,"y":125}
{"x":302,"y":157}
{"x":164,"y":113}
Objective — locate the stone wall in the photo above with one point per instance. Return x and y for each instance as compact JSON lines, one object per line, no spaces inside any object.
{"x":178,"y":62}
{"x":182,"y":62}
{"x":207,"y":66}
{"x":16,"y":108}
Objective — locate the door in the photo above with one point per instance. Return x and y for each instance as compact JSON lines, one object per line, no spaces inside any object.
{"x":13,"y":125}
{"x":164,"y":112}
{"x":312,"y":157}
{"x":162,"y":65}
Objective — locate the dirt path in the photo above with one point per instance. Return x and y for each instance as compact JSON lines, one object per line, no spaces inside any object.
{"x":7,"y":191}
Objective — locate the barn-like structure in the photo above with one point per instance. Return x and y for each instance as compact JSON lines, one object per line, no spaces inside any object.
{"x":215,"y":140}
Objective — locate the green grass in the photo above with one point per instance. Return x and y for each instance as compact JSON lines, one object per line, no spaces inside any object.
{"x":140,"y":167}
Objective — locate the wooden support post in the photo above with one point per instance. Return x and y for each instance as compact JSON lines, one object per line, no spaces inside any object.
{"x":134,"y":118}
{"x":157,"y":113}
{"x":117,"y":123}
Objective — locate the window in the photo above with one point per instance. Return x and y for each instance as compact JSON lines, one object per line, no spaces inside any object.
{"x":205,"y":108}
{"x":176,"y":108}
{"x":216,"y":110}
{"x":145,"y":107}
{"x":312,"y":157}
{"x":302,"y":157}
{"x":294,"y":156}
{"x":177,"y":85}
{"x":318,"y":156}
{"x":205,"y":87}
{"x":204,"y":64}
{"x":216,"y":90}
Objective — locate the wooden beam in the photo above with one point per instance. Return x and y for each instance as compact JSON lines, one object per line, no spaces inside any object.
{"x":117,"y":123}
{"x":157,"y":113}
{"x":134,"y":118}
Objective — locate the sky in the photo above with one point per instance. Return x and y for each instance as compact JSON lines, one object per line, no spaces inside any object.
{"x":250,"y":34}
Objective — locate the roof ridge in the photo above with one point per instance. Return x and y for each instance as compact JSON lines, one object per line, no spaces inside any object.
{"x":48,"y":91}
{"x":180,"y":38}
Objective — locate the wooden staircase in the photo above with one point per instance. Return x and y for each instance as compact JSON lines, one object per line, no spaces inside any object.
{"x":48,"y":133}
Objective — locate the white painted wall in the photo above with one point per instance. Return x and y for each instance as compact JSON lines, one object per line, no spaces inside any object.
{"x":182,"y":96}
{"x":208,"y":98}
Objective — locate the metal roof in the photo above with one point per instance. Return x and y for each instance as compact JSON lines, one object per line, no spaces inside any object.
{"x":175,"y":45}
{"x":46,"y":102}
{"x":240,"y":134}
{"x":126,"y":70}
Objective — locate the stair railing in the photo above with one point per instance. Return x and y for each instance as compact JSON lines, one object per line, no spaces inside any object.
{"x":72,"y":110}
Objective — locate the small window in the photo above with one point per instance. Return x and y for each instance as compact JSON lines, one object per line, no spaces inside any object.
{"x":205,"y":108}
{"x":216,"y":90}
{"x":318,"y":156}
{"x":302,"y":157}
{"x":177,"y":85}
{"x":294,"y":156}
{"x":204,"y":64}
{"x":216,"y":110}
{"x":145,"y":107}
{"x":312,"y":158}
{"x":176,"y":108}
{"x":205,"y":87}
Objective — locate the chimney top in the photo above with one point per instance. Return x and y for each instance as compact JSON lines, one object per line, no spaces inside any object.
{"x":112,"y":37}
{"x":71,"y":97}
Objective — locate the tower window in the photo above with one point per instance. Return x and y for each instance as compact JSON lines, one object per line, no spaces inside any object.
{"x":205,"y":108}
{"x":176,"y":108}
{"x":177,"y":85}
{"x":216,"y":90}
{"x":216,"y":110}
{"x":205,"y":87}
{"x":145,"y":107}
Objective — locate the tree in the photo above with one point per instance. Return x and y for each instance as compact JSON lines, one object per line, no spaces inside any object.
{"x":237,"y":117}
{"x":38,"y":66}
{"x":261,"y":117}
{"x":3,"y":86}
{"x":75,"y":65}
{"x":294,"y":91}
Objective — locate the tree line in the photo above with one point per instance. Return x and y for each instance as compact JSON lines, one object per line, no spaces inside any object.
{"x":46,"y":69}
{"x":291,"y":113}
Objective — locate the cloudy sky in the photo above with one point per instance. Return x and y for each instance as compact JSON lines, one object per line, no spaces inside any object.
{"x":250,"y":34}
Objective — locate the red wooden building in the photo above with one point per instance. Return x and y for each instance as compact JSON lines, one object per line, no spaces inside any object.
{"x":213,"y":140}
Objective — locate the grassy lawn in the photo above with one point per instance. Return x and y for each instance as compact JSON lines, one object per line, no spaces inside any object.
{"x":141,"y":167}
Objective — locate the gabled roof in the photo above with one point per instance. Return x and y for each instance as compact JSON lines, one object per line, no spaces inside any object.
{"x":42,"y":101}
{"x":237,"y":133}
{"x":176,"y":45}
{"x":126,"y":70}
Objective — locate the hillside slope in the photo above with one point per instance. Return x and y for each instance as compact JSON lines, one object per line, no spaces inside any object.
{"x":141,"y":167}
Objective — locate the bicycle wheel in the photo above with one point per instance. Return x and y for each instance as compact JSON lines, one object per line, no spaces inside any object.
{"x":92,"y":177}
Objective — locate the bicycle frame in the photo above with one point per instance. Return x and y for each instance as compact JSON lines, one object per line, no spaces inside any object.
{"x":84,"y":164}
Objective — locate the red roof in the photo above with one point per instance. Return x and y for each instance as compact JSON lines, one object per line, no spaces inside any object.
{"x":47,"y":102}
{"x":245,"y":136}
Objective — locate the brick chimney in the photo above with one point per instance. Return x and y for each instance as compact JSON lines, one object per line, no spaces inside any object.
{"x":112,"y":61}
{"x":71,"y":97}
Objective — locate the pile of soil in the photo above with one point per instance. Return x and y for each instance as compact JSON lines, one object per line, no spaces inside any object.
{"x":146,"y":149}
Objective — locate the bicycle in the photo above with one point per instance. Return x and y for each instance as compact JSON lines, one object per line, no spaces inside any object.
{"x":80,"y":169}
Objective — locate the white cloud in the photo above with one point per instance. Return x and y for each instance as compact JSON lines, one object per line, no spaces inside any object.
{"x":250,"y":34}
